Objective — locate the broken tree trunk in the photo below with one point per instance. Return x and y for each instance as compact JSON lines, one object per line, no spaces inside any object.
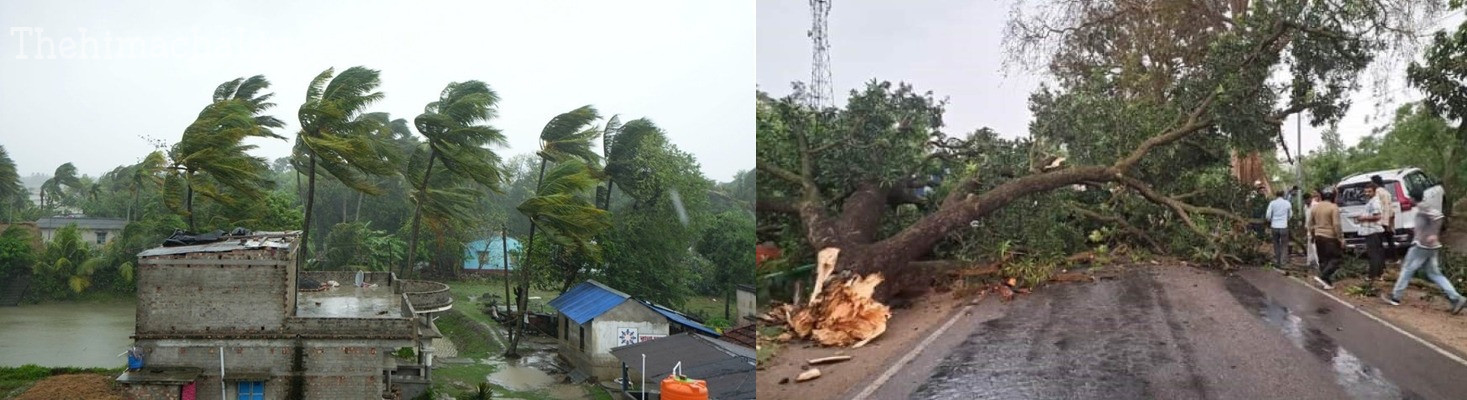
{"x":846,"y":314}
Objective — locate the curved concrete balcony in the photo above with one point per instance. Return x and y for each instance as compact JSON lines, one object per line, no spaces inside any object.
{"x":427,"y":296}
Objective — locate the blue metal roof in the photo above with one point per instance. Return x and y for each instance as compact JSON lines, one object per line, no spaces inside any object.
{"x":681,"y":319}
{"x":588,"y":300}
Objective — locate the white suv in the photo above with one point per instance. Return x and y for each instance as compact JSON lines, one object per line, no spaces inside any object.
{"x":1350,"y":195}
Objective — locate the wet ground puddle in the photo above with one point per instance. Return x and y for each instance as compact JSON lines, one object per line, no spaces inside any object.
{"x":1359,"y":379}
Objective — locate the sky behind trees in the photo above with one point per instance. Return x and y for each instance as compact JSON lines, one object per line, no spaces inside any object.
{"x":685,"y":65}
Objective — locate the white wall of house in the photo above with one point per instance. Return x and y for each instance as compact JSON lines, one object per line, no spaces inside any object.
{"x":88,"y":235}
{"x":746,"y":303}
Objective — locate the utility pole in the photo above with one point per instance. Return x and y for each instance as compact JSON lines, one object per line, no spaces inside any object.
{"x":1299,"y":160}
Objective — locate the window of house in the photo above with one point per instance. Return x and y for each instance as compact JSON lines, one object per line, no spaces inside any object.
{"x":583,"y":337}
{"x":251,"y":390}
{"x":101,"y":237}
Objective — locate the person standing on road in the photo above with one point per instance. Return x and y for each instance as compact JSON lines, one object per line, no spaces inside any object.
{"x":1371,"y":229}
{"x":1387,"y":211}
{"x":1311,"y":254}
{"x":1324,"y":229}
{"x":1278,"y":222}
{"x":1425,"y":251}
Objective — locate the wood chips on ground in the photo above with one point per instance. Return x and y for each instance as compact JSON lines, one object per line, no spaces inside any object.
{"x":77,"y":386}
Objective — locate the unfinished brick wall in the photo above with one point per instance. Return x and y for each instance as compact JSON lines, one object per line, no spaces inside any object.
{"x":247,"y":290}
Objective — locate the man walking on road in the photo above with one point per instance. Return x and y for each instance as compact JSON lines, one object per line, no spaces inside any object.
{"x":1311,"y":253}
{"x":1425,"y":250}
{"x":1387,"y":211}
{"x":1278,"y":222}
{"x":1324,"y":229}
{"x":1371,"y":229}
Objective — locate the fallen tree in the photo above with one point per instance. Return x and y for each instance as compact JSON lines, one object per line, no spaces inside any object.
{"x":841,"y":178}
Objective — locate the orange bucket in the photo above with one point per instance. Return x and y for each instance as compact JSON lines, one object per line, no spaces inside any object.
{"x":677,"y":387}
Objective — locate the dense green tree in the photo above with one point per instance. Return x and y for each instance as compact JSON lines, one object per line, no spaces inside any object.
{"x":17,"y":251}
{"x":1443,"y":78}
{"x":12,"y":193}
{"x":728,"y":242}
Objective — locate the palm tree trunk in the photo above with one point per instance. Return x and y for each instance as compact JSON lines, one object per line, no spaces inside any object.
{"x":504,"y":252}
{"x":188,"y":202}
{"x":609,"y":187}
{"x":304,"y":253}
{"x":358,"y":216}
{"x":523,"y":301}
{"x":418,"y":212}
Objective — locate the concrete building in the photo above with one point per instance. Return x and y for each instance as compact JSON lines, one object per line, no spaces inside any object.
{"x":95,"y":231}
{"x":592,"y":318}
{"x":227,"y":319}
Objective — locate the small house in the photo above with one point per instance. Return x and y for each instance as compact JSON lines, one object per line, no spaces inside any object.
{"x":489,"y":254}
{"x":95,"y":231}
{"x":591,"y":318}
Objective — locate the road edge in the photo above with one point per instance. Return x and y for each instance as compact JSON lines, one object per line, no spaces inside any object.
{"x":1433,"y":346}
{"x":912,"y":354}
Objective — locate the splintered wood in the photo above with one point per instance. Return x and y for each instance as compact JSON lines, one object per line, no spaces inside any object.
{"x":840,"y":313}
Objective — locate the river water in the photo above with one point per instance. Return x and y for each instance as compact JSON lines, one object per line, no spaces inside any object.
{"x":89,"y":334}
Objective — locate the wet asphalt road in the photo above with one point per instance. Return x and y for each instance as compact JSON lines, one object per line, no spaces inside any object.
{"x":1175,"y":333}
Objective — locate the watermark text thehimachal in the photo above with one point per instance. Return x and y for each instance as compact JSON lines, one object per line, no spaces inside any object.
{"x":36,"y":43}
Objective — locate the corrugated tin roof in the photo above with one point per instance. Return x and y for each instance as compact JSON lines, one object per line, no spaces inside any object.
{"x":681,"y":319}
{"x":81,"y":222}
{"x":588,"y":300}
{"x":259,"y":240}
{"x":728,"y":368}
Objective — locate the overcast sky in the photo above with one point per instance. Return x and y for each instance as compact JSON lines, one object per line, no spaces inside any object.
{"x":954,"y":49}
{"x":689,"y":66}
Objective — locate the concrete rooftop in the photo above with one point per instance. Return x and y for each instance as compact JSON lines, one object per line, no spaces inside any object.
{"x":350,"y":302}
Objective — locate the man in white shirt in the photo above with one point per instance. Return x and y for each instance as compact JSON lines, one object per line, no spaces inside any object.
{"x":1387,"y":211}
{"x":1374,"y":233}
{"x":1278,"y":222}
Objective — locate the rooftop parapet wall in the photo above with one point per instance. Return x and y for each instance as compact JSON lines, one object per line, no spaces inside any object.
{"x":426,"y":295}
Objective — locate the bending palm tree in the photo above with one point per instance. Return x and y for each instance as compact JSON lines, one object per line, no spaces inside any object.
{"x":569,"y":219}
{"x":456,"y":129}
{"x":144,"y":173}
{"x":212,"y":146}
{"x":566,"y":140}
{"x":65,"y":175}
{"x":622,"y":146}
{"x":335,"y":135}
